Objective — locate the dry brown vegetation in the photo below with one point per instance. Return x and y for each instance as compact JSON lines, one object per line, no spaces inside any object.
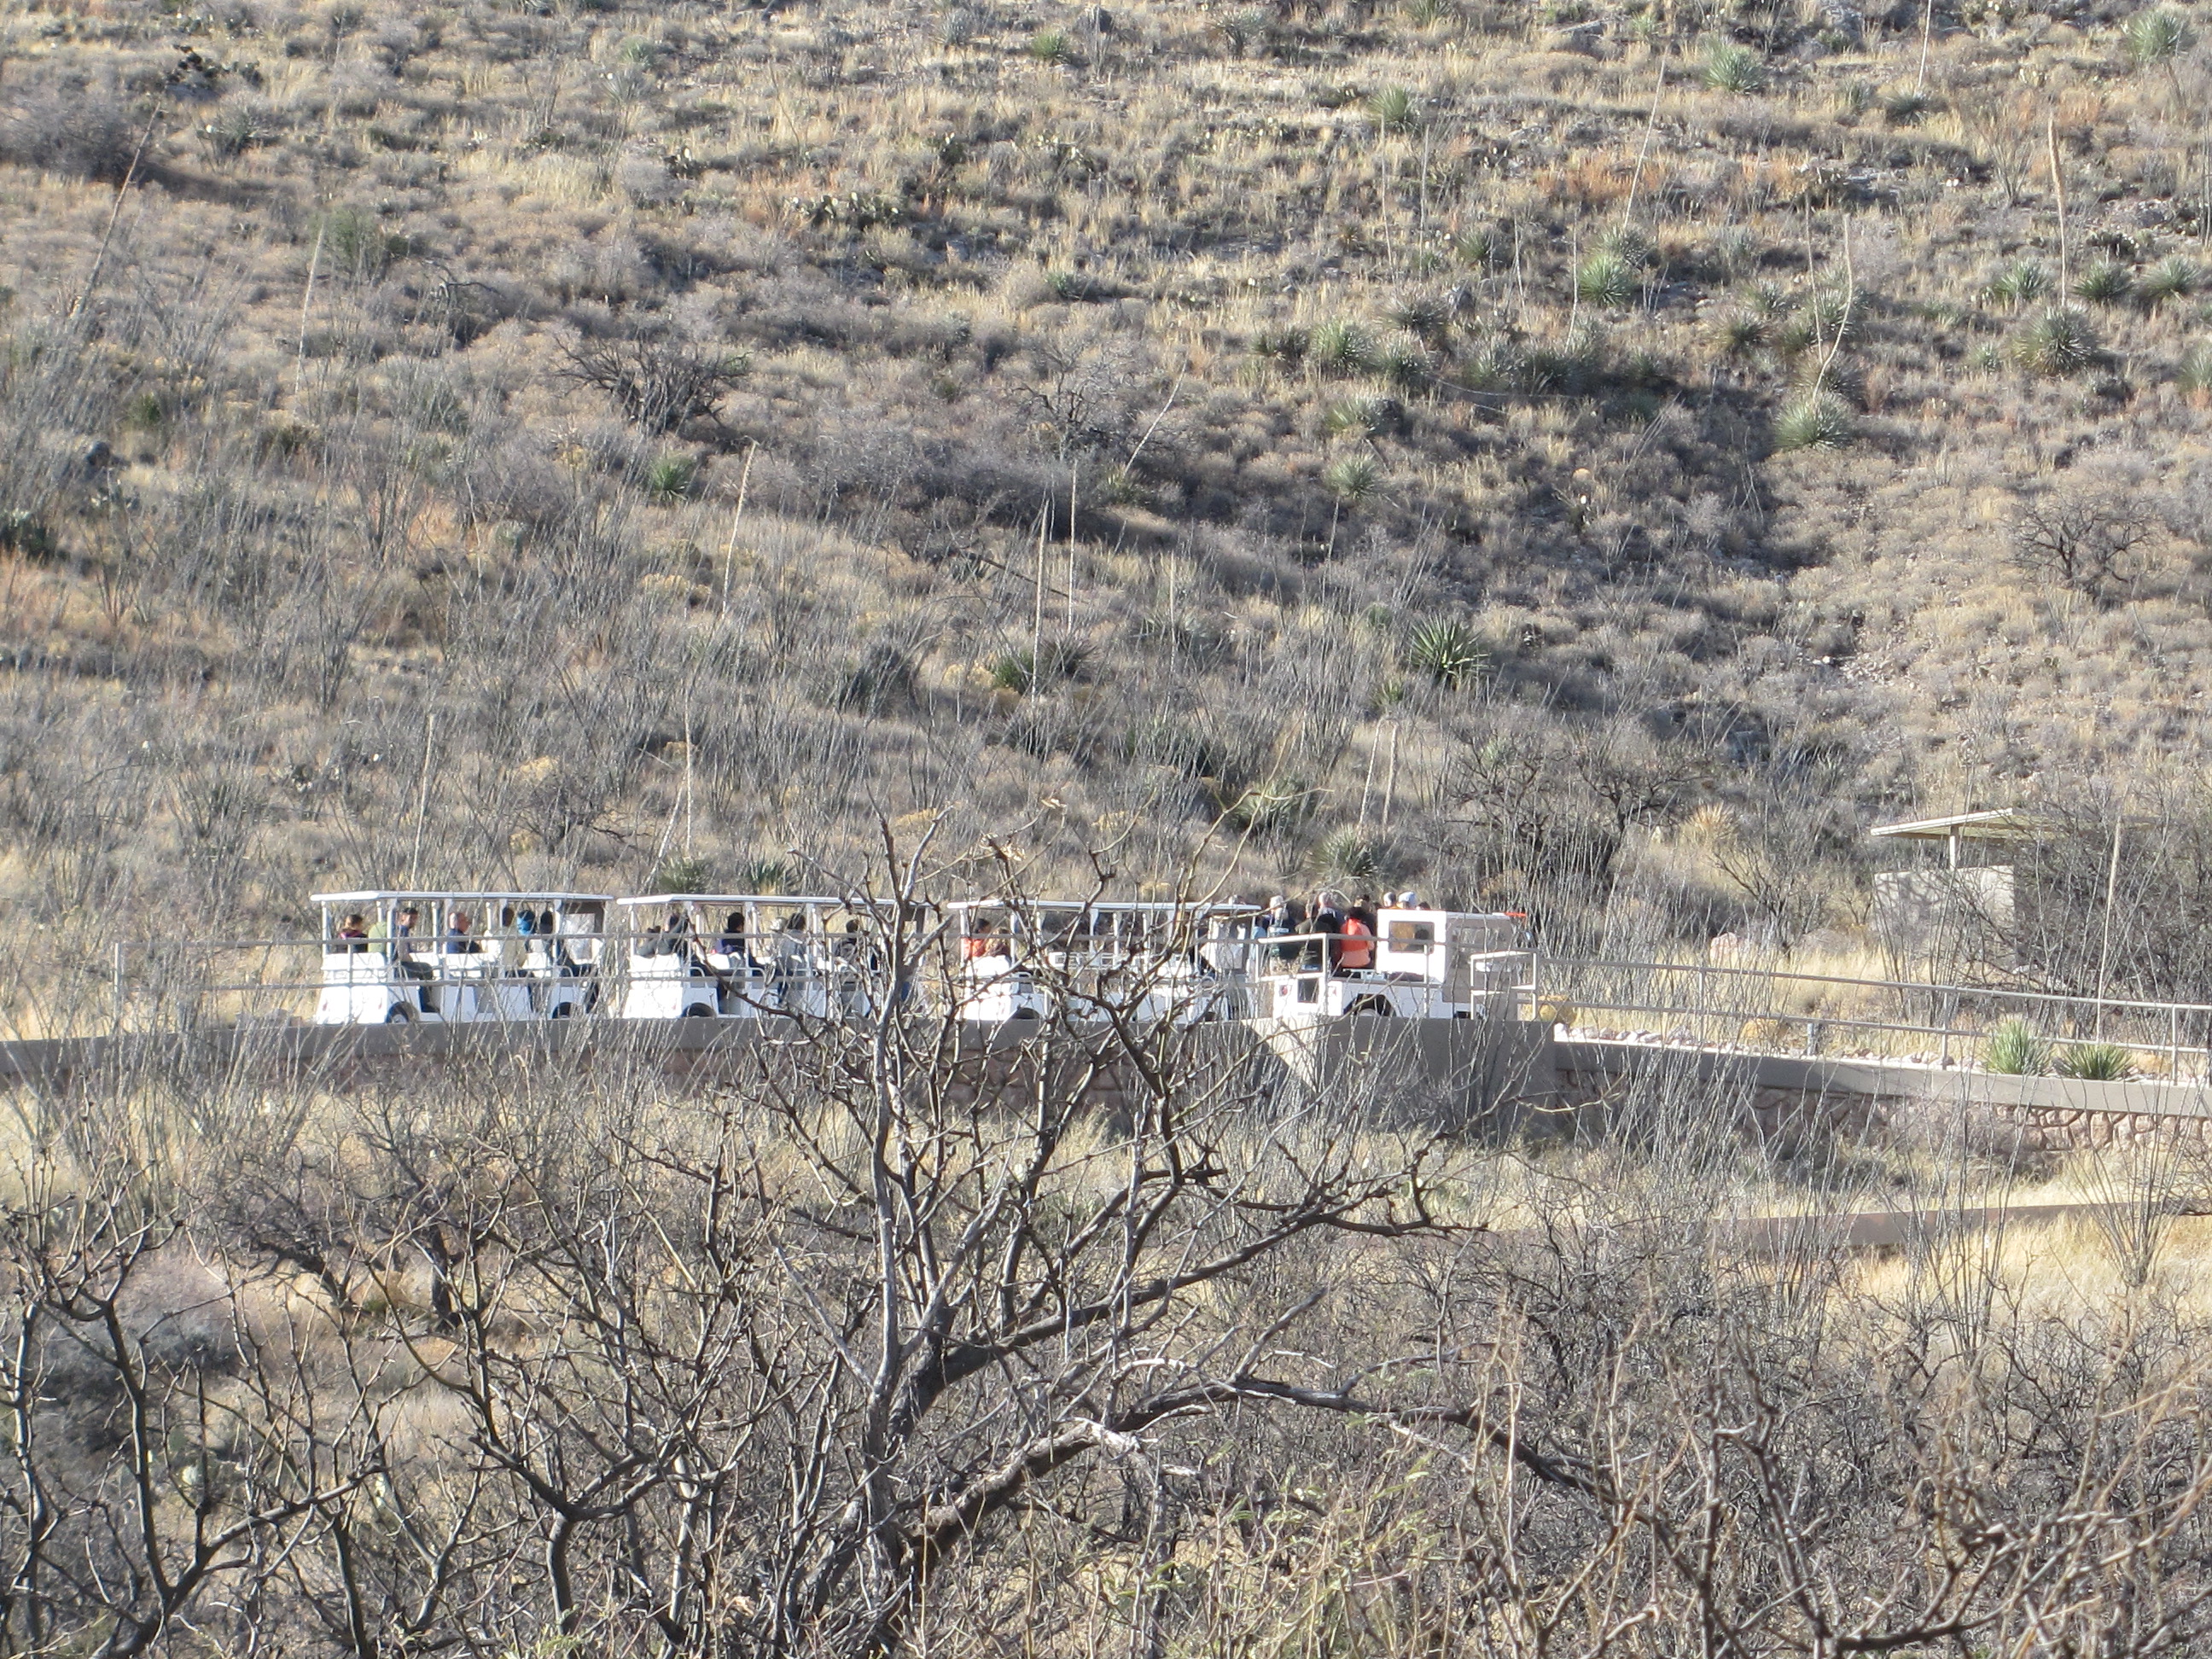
{"x":530,"y":1357}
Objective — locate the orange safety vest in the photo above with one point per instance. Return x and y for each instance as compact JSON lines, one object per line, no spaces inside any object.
{"x":1358,"y":949}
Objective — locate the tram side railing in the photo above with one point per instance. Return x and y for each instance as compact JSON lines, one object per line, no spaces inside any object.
{"x":176,"y":985}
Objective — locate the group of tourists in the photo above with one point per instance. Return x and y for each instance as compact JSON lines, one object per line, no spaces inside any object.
{"x":518,"y":934}
{"x":1345,"y":927}
{"x":523,"y":945}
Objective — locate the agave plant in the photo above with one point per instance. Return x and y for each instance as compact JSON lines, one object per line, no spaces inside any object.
{"x":2096,"y":1062}
{"x":2013,"y":1049}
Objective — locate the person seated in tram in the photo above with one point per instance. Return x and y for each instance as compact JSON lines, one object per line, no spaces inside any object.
{"x":559,"y":956}
{"x":988,"y":935}
{"x":1328,"y":920}
{"x":457,"y":941}
{"x":1356,"y":952}
{"x":355,"y":933}
{"x":406,"y":924}
{"x":678,"y":939}
{"x":790,"y":954}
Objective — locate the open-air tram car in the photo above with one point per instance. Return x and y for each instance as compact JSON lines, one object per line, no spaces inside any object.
{"x":1147,"y":961}
{"x":742,"y":956}
{"x":453,"y":959}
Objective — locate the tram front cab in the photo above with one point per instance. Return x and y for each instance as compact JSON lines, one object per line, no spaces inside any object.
{"x":1428,"y":965}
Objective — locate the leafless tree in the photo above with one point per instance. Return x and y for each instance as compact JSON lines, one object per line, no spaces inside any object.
{"x":2089,"y":542}
{"x":658,"y":381}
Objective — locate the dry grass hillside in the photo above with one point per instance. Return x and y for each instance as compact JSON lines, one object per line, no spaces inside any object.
{"x":1451,"y":440}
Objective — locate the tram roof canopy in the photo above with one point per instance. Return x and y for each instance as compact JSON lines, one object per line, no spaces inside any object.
{"x":1141,"y":907}
{"x":368,"y":896}
{"x":796,"y":899}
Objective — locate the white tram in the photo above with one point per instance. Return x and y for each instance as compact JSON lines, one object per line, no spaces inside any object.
{"x":453,"y":959}
{"x":1421,"y":964}
{"x":743,"y":956}
{"x":1149,"y":961}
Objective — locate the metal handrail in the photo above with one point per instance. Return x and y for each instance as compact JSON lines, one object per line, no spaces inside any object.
{"x":1898,"y":984}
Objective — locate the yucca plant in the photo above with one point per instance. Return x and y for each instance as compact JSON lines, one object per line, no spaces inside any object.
{"x":1449,"y":651}
{"x":2193,"y":378}
{"x":2095,"y":1063}
{"x":2174,"y":277}
{"x":1356,"y":417}
{"x":2155,"y":38}
{"x":763,"y":874}
{"x":1349,"y":856}
{"x":1630,"y":245}
{"x":1732,"y":68}
{"x":671,"y":477}
{"x":2106,"y":282}
{"x":1423,"y":317}
{"x":1818,"y":420}
{"x":1269,"y":808}
{"x":1024,"y":672}
{"x":1832,"y":315}
{"x":1340,"y":348}
{"x":1766,"y":300}
{"x":1051,"y":46}
{"x":1352,"y":478}
{"x":1475,"y":248}
{"x":2022,"y":282}
{"x":1404,"y":365}
{"x":1395,"y":111}
{"x":1605,"y":279}
{"x":2013,"y":1049}
{"x":2058,"y":342}
{"x":687,"y":875}
{"x":1906,"y":109}
{"x":1739,"y":334}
